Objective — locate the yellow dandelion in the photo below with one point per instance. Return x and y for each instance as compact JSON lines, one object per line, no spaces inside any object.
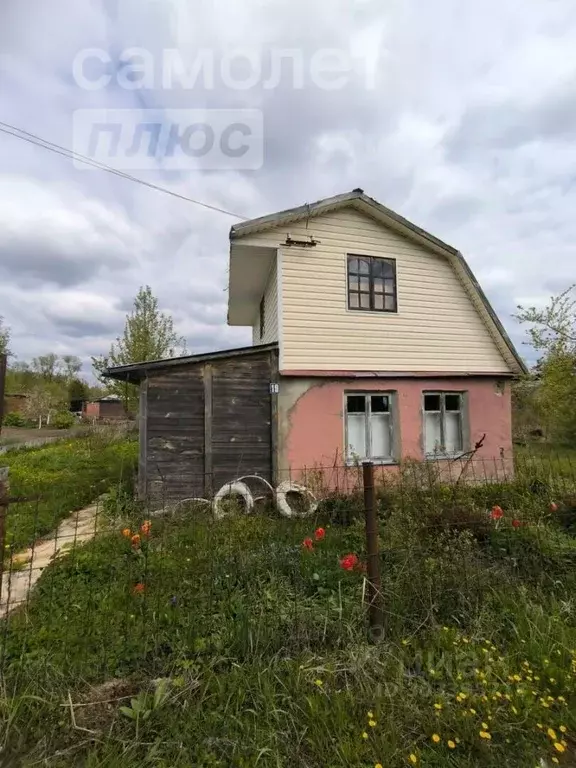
{"x":451,"y":744}
{"x":552,"y":680}
{"x":485,"y":726}
{"x":555,"y":761}
{"x":562,"y":729}
{"x":517,"y":678}
{"x":539,"y":725}
{"x":405,"y":642}
{"x":378,"y":765}
{"x":413,"y":759}
{"x":459,"y":699}
{"x":372,"y":723}
{"x":472,"y":711}
{"x":552,"y":733}
{"x":370,"y":715}
{"x":564,"y":742}
{"x":364,"y":735}
{"x":319,"y":683}
{"x":485,"y":735}
{"x":561,"y":699}
{"x":435,"y":738}
{"x":463,"y":695}
{"x":438,"y":706}
{"x":559,"y":747}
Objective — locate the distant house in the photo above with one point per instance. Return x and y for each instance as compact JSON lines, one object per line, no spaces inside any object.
{"x":14,"y":403}
{"x":372,"y":340}
{"x":109,"y":408}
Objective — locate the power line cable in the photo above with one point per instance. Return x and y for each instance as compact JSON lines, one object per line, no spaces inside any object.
{"x":38,"y":141}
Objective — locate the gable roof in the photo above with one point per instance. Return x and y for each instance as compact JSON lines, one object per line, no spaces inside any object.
{"x":360,"y":201}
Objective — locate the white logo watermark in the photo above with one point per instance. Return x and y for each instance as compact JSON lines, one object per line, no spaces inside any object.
{"x":189,"y":139}
{"x":238,"y":69}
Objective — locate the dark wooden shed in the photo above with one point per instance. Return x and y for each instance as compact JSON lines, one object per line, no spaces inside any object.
{"x":204,"y":420}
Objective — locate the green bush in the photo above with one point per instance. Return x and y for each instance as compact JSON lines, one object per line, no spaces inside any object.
{"x":14,"y":419}
{"x":63,"y":420}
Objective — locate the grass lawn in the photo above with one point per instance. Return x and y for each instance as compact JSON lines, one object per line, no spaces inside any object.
{"x":63,"y":477}
{"x":242,"y":648}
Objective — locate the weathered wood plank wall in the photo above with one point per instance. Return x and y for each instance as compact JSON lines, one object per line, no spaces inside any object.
{"x":206,"y":424}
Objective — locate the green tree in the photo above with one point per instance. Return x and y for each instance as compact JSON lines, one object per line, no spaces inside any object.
{"x":148,"y":335}
{"x":71,"y":366}
{"x":552,"y":332}
{"x":47,"y":366}
{"x":4,"y":338}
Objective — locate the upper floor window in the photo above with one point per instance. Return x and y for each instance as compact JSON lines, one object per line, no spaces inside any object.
{"x":372,"y":284}
{"x":443,"y":423}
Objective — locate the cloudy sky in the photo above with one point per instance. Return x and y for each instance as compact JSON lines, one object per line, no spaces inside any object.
{"x":460,"y":116}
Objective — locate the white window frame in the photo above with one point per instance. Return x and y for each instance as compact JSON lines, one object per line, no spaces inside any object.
{"x":443,"y":453}
{"x":368,"y":394}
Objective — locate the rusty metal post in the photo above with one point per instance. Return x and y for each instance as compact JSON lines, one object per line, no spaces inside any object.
{"x":375,"y":612}
{"x":4,"y":489}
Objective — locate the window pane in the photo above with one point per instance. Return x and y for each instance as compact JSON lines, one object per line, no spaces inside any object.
{"x":377,"y":267}
{"x":365,"y":300}
{"x":363,"y":266}
{"x":356,"y":435}
{"x":380,"y":404}
{"x":390,"y":303}
{"x":433,"y":434}
{"x":431,"y":402}
{"x":356,"y":404}
{"x":378,"y":301}
{"x":387,"y":269}
{"x":354,"y":300}
{"x":353,"y":283}
{"x":378,"y":285}
{"x":452,"y":402}
{"x":380,"y":438}
{"x":365,"y":284}
{"x":389,"y":286}
{"x":453,"y":432}
{"x":353,"y":265}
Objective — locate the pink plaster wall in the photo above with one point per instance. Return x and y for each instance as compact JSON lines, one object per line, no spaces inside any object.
{"x":315,"y":431}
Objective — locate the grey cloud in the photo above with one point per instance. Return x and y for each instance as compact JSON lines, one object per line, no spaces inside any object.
{"x":82,"y":328}
{"x":507,"y":126}
{"x":33,"y":263}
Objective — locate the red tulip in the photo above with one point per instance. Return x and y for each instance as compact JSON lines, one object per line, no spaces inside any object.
{"x":349,"y":562}
{"x":553,"y":506}
{"x":136,"y":540}
{"x":516,"y":523}
{"x":497,"y":513}
{"x":138,"y":588}
{"x":145,"y":527}
{"x":319,"y":534}
{"x":308,"y":544}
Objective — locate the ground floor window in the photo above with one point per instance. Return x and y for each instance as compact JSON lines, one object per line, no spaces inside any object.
{"x":443,"y":423}
{"x":369,"y":426}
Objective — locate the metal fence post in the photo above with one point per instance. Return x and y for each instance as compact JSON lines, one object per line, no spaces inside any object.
{"x":4,"y":488}
{"x":375,"y":612}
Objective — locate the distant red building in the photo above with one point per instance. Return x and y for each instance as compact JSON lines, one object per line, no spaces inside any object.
{"x":108,"y":408}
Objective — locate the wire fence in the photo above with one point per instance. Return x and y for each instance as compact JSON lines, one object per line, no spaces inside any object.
{"x":323,"y":557}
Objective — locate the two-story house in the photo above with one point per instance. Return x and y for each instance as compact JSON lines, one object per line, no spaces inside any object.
{"x":371,"y":339}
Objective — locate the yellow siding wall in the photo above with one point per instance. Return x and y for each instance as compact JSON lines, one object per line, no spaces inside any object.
{"x":270,"y":311}
{"x":437,"y":327}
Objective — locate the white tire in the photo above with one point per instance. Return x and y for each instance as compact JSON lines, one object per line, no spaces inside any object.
{"x":232,"y":489}
{"x":282,"y":501}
